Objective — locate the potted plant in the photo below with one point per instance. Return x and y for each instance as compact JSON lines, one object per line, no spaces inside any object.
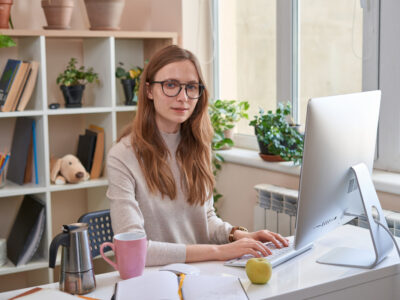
{"x":104,"y":14}
{"x":72,"y":82}
{"x":224,"y":115}
{"x":58,"y":13}
{"x":130,"y":82}
{"x":277,"y":138}
{"x":5,"y":8}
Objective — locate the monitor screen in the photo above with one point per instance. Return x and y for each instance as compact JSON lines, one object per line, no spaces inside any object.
{"x":340,"y":132}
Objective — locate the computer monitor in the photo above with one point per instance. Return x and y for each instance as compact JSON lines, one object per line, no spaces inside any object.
{"x":335,"y":179}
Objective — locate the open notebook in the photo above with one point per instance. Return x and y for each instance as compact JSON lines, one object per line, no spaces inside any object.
{"x":165,"y":285}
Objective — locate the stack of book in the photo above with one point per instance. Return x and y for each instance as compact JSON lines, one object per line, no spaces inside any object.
{"x":17,"y":84}
{"x":91,"y":150}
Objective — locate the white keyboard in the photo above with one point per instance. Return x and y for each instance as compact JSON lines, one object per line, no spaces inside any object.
{"x":277,"y":257}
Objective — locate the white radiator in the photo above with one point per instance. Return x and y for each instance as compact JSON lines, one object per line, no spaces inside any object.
{"x":277,"y":207}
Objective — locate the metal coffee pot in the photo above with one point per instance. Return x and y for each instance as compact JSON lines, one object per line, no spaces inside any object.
{"x":77,"y":274}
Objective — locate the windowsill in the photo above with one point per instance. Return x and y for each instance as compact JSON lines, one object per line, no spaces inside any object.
{"x":384,"y":181}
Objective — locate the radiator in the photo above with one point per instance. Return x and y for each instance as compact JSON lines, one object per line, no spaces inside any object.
{"x":277,"y":207}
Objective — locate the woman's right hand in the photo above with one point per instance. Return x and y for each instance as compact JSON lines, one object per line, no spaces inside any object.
{"x":241,"y":247}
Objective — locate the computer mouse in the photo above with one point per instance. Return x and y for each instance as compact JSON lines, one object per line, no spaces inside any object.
{"x":180,"y":268}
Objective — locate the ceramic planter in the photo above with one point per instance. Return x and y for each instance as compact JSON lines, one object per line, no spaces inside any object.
{"x":5,"y":7}
{"x":58,"y":13}
{"x":72,"y":95}
{"x":129,"y":86}
{"x":104,"y":14}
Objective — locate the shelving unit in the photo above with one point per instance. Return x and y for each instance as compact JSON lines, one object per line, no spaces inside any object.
{"x":58,"y":130}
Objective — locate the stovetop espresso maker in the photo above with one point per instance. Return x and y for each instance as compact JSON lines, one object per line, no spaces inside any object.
{"x":77,"y":274}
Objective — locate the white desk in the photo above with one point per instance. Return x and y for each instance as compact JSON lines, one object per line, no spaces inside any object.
{"x":301,"y":277}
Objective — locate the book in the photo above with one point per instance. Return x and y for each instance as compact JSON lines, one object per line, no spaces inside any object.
{"x":7,"y":77}
{"x":22,"y":84}
{"x":39,"y":293}
{"x":27,"y":230}
{"x":31,"y":162}
{"x":165,"y":285}
{"x":98,"y":155}
{"x":20,"y":149}
{"x":15,"y":88}
{"x":86,"y":147}
{"x":29,"y":86}
{"x":35,"y":160}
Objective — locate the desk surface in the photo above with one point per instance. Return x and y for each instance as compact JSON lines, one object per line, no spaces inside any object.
{"x":300,"y":277}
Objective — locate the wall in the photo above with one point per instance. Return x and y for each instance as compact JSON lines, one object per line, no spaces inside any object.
{"x":236,"y":183}
{"x":138,"y":15}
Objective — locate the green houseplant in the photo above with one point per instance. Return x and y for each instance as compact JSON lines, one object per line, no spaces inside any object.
{"x":224,"y":114}
{"x":130,"y":82}
{"x":278,"y":137}
{"x":72,"y":82}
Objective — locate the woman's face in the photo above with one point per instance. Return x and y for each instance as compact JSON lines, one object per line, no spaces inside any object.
{"x":173,"y":111}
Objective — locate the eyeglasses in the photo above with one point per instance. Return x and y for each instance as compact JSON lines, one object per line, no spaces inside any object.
{"x":172,"y":88}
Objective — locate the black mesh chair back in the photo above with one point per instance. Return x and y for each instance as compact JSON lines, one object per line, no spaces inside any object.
{"x":99,"y":229}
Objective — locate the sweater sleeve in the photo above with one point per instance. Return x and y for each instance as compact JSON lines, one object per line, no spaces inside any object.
{"x":126,"y":215}
{"x":218,"y":229}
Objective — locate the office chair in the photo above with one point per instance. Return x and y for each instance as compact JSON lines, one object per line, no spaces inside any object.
{"x":99,"y":229}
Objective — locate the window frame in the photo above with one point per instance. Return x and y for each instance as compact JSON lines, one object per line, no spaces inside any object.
{"x":288,"y":70}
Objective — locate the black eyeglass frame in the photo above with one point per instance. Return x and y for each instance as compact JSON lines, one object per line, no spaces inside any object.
{"x":201,"y":88}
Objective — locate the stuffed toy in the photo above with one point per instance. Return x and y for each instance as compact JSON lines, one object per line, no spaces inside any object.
{"x":68,"y":169}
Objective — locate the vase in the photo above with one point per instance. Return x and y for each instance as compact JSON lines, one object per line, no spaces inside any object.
{"x":104,"y":14}
{"x":5,"y":7}
{"x":58,"y":13}
{"x":129,"y":91}
{"x":73,"y":95}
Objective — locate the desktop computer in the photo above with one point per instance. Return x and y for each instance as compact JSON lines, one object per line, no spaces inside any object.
{"x":335,"y":179}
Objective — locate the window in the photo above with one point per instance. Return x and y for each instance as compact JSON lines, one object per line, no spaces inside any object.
{"x":330,"y":49}
{"x":247,"y":54}
{"x":271,"y":51}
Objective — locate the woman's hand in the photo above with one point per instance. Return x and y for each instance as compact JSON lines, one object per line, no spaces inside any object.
{"x":263,"y":236}
{"x":241,"y":247}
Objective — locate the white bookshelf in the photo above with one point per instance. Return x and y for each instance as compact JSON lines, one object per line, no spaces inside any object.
{"x":57,"y":131}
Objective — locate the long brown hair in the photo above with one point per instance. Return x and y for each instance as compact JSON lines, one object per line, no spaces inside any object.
{"x":194,"y":150}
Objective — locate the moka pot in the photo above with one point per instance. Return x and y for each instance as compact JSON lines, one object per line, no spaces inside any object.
{"x":77,"y":274}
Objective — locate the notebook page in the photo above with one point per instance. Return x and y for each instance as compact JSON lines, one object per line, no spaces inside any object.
{"x":150,"y":286}
{"x":212,"y":287}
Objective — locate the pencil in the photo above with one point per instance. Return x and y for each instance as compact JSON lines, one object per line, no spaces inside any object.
{"x":4,"y":163}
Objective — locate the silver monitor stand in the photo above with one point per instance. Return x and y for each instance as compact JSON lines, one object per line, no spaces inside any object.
{"x":364,"y":258}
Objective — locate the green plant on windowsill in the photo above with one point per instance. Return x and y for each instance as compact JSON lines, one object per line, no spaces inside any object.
{"x":224,"y":115}
{"x":277,"y":136}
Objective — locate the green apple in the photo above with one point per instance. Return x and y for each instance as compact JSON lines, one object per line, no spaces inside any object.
{"x":259,"y":270}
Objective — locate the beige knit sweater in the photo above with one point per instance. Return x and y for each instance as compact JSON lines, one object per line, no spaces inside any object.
{"x":168,"y":224}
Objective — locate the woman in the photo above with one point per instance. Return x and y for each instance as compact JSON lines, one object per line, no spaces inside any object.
{"x":160,"y":175}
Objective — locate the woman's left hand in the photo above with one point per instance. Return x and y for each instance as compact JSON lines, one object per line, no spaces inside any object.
{"x":263,"y":236}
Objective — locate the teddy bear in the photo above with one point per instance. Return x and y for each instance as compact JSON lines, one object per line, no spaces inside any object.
{"x":68,"y":169}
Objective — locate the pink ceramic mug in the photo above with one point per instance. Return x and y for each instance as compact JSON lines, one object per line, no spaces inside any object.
{"x":130,"y":253}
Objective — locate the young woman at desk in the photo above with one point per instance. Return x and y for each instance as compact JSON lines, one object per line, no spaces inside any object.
{"x":160,"y":174}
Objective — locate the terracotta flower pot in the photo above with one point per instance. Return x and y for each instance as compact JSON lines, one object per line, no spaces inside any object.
{"x":58,"y":13}
{"x":5,"y":7}
{"x":104,"y":14}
